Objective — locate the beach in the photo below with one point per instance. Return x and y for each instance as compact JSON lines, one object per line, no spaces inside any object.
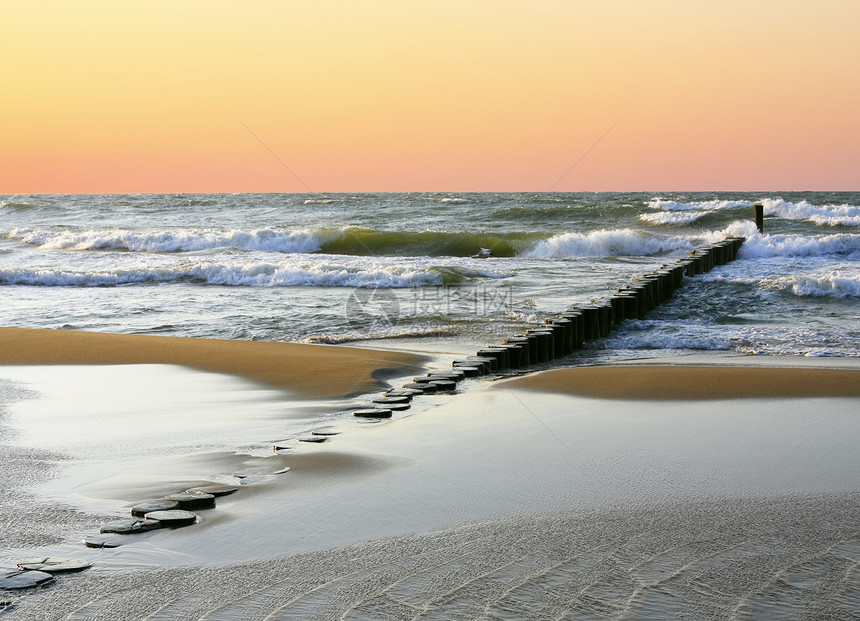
{"x":385,"y":311}
{"x":586,"y":491}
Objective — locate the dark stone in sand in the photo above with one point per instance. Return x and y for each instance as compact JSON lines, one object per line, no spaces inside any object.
{"x":17,"y":579}
{"x":255,"y":479}
{"x":444,"y":385}
{"x":174,"y":518}
{"x":104,"y":541}
{"x":390,"y":400}
{"x":427,"y":387}
{"x":471,"y":371}
{"x":216,"y":489}
{"x":453,"y":374}
{"x":402,"y":392}
{"x":54,"y":565}
{"x":482,"y":367}
{"x":128,"y":527}
{"x":394,"y":407}
{"x":156,"y":505}
{"x":373,"y":413}
{"x":325,"y":431}
{"x":313,"y":438}
{"x":192,"y":501}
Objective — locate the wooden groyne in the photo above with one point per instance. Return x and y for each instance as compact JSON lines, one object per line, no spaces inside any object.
{"x":563,"y":334}
{"x":570,"y":330}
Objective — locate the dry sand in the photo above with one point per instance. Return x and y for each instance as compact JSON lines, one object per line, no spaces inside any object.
{"x":568,"y":493}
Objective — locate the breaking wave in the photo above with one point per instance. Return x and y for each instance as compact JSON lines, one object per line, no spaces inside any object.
{"x":828,"y":215}
{"x":766,"y":246}
{"x":607,"y":243}
{"x":258,"y":274}
{"x":345,"y":241}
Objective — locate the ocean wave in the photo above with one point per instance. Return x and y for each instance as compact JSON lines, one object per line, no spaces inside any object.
{"x":266,"y":240}
{"x":703,"y":206}
{"x":372,"y":242}
{"x":760,"y":246}
{"x":835,"y":285}
{"x":17,"y":205}
{"x":257,"y":274}
{"x":355,"y":241}
{"x":672,"y":217}
{"x":830,"y":215}
{"x":606,"y":243}
{"x":61,"y":278}
{"x":671,"y":212}
{"x":455,"y":200}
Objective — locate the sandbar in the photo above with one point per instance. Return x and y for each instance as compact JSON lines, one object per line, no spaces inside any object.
{"x":317,"y":371}
{"x":694,"y":382}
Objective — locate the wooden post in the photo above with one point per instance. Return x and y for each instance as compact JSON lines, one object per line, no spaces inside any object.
{"x":759,"y":217}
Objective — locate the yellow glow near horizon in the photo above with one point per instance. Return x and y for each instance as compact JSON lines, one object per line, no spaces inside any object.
{"x":121,"y":96}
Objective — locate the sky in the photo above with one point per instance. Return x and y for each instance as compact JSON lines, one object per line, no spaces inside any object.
{"x":400,"y":95}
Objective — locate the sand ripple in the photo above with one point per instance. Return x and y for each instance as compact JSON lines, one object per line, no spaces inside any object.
{"x":750,"y":558}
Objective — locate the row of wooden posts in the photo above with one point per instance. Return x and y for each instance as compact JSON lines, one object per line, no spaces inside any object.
{"x":563,"y":334}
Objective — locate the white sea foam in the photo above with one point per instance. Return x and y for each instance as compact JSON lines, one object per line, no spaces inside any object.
{"x":606,"y":243}
{"x":455,"y":200}
{"x":252,"y":274}
{"x":680,"y":213}
{"x":766,"y":246}
{"x":266,"y":240}
{"x":831,"y":215}
{"x":672,"y":217}
{"x":700,"y":206}
{"x":835,"y":285}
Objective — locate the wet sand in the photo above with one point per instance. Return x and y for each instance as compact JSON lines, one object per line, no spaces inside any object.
{"x":580,"y":491}
{"x":313,"y":371}
{"x":662,"y":383}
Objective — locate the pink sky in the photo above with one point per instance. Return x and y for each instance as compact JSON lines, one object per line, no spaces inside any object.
{"x":390,"y":96}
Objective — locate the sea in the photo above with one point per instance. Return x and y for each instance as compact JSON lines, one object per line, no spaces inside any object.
{"x":399,"y":270}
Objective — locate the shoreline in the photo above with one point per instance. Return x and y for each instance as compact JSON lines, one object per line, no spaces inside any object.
{"x":310,"y":371}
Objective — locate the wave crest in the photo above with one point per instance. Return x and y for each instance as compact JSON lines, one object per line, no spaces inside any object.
{"x":834,"y":285}
{"x":267,"y":240}
{"x":829,"y":215}
{"x":606,"y":243}
{"x":257,"y":274}
{"x":766,"y":246}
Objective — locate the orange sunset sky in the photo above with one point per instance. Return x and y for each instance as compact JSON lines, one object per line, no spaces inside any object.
{"x":466,"y":95}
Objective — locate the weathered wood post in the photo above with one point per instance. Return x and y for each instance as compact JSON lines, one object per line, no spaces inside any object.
{"x":759,"y":217}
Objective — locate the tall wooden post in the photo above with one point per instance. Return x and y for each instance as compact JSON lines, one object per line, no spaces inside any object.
{"x":759,"y":217}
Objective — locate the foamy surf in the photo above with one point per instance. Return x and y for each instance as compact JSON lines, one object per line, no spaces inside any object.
{"x":267,"y":240}
{"x":608,"y":243}
{"x":284,"y":267}
{"x":828,"y":215}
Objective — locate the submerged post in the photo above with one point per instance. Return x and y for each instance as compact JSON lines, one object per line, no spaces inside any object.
{"x":759,"y":217}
